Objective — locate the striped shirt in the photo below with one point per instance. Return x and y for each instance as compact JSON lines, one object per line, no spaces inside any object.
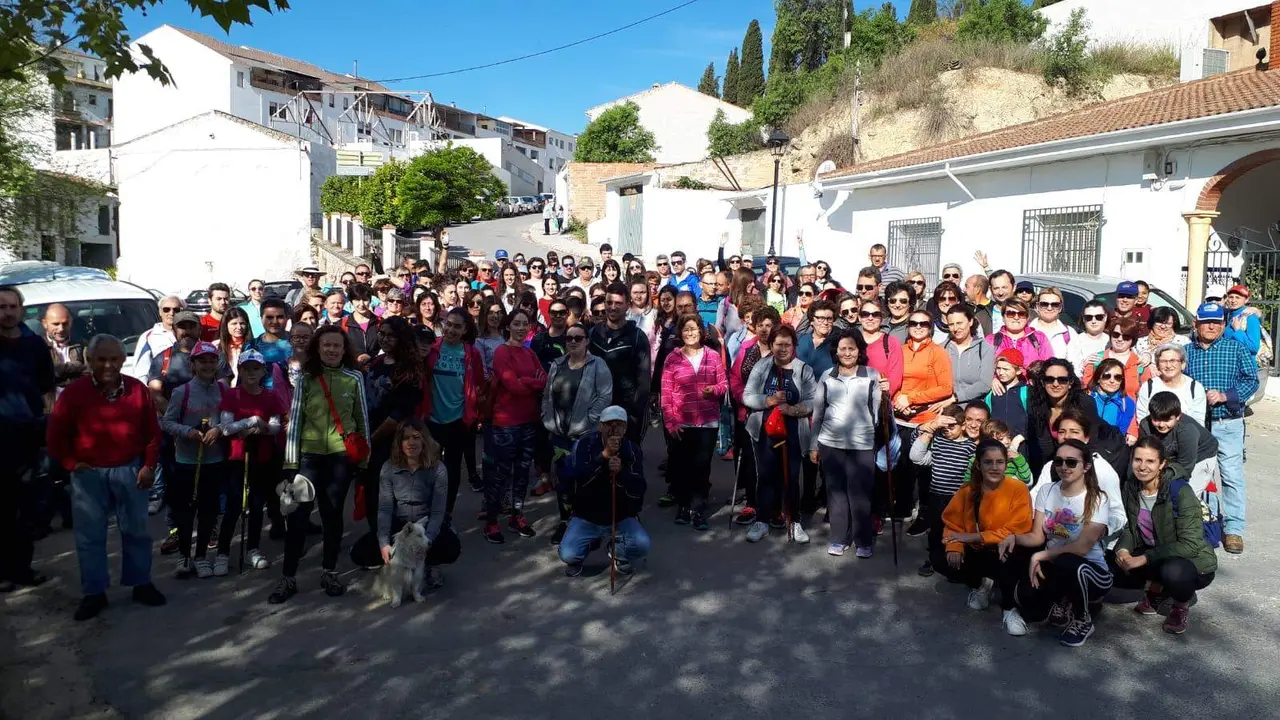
{"x":1228,"y":367}
{"x":948,"y":458}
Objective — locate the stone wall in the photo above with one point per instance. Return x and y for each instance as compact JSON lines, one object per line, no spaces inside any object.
{"x":751,"y":170}
{"x":586,"y":194}
{"x":332,"y":260}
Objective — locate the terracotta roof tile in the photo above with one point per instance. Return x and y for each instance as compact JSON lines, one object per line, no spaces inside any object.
{"x":279,"y":61}
{"x":1219,"y":95}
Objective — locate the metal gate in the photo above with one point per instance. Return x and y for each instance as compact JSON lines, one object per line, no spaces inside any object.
{"x":1252,"y":258}
{"x":1062,"y":240}
{"x":916,"y":246}
{"x":753,"y":231}
{"x":631,"y":228}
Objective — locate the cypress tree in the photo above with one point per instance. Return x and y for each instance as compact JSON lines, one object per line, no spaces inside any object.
{"x":923,"y":12}
{"x":750,"y":80}
{"x":709,"y":85}
{"x":729,"y":88}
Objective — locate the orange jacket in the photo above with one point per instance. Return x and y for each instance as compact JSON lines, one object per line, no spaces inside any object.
{"x":1004,"y":512}
{"x":1134,"y":375}
{"x":926,"y":376}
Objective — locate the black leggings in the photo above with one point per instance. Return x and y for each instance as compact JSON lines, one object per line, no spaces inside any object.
{"x":181,"y":491}
{"x":745,"y":457}
{"x":456,"y":442}
{"x":850,"y":477}
{"x":689,"y":465}
{"x":1067,"y":578}
{"x":779,"y":495}
{"x":985,"y":562}
{"x":331,"y":474}
{"x":263,"y":478}
{"x":1177,"y":577}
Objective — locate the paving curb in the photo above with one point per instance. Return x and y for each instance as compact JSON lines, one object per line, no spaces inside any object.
{"x":533,"y":235}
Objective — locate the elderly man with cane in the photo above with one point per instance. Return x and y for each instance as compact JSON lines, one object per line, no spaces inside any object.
{"x":104,"y":431}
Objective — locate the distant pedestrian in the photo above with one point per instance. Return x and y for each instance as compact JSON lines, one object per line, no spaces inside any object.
{"x":560,"y":223}
{"x":548,"y":214}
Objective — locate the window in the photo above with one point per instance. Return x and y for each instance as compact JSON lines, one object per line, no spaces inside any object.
{"x":277,"y":111}
{"x":48,"y":248}
{"x":111,"y":108}
{"x":330,"y":99}
{"x":915,"y":246}
{"x":1062,"y":240}
{"x":397,"y":136}
{"x":93,"y":99}
{"x":520,"y":149}
{"x":123,"y":318}
{"x":533,"y":154}
{"x":97,"y":74}
{"x":346,"y":103}
{"x":104,"y":220}
{"x":240,"y":78}
{"x":70,"y":251}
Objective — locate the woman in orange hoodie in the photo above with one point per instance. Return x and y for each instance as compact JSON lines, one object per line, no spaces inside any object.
{"x":926,"y":373}
{"x":989,"y":508}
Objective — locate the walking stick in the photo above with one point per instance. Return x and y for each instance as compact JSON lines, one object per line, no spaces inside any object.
{"x":195,"y":484}
{"x":613,"y":530}
{"x":786,"y":495}
{"x":888,"y":472}
{"x":244,"y":506}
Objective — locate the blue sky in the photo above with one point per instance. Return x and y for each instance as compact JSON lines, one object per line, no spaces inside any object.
{"x":397,"y":38}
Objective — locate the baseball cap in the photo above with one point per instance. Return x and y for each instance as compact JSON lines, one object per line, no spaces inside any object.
{"x":1024,"y":286}
{"x":1211,"y":312}
{"x":203,"y":348}
{"x":586,"y":263}
{"x":1240,"y":290}
{"x":500,"y":254}
{"x":613,"y":413}
{"x":251,"y":356}
{"x":1128,"y":287}
{"x":186,"y":316}
{"x":1013,"y":356}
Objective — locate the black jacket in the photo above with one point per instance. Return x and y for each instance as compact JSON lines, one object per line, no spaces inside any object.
{"x":584,"y":481}
{"x":1106,"y":440}
{"x":626,"y":352}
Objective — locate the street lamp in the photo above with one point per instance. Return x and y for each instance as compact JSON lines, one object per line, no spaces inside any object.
{"x":777,"y":140}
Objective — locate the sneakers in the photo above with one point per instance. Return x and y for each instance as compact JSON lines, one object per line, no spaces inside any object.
{"x":684,"y":516}
{"x":558,"y":535}
{"x":1176,"y":623}
{"x":798,"y":534}
{"x":728,"y":455}
{"x":1077,"y":632}
{"x":925,"y":569}
{"x":154,"y":506}
{"x":148,"y":595}
{"x":332,"y":584}
{"x":90,"y":606}
{"x":624,"y":566}
{"x":877,"y":526}
{"x":746,"y":516}
{"x":667,"y":500}
{"x":476,"y":485}
{"x":493,"y":533}
{"x":170,"y":544}
{"x":258,"y":561}
{"x":435,"y":577}
{"x":700,"y":522}
{"x":1149,"y":605}
{"x":1059,"y":614}
{"x":573,"y":570}
{"x":757,"y":531}
{"x":183,"y":569}
{"x":836,"y":549}
{"x":1014,"y":624}
{"x":521,"y":527}
{"x":1233,"y":544}
{"x":285,"y":589}
{"x":863,"y":552}
{"x":918,"y":527}
{"x":204,"y":569}
{"x":777,"y":523}
{"x":544,"y":486}
{"x":220,"y":565}
{"x":980,"y":597}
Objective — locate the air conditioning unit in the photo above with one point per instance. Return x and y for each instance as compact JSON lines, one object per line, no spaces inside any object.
{"x":1214,"y":62}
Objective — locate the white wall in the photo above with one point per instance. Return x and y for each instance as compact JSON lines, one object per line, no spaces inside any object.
{"x":202,"y":81}
{"x":678,"y":117}
{"x":213,"y":199}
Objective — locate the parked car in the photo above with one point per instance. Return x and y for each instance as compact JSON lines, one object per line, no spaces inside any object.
{"x":198,"y":300}
{"x":280,"y":288}
{"x":531,"y":203}
{"x":97,"y":303}
{"x":1079,"y":289}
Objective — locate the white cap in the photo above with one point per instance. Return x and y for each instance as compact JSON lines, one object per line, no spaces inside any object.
{"x":613,"y":413}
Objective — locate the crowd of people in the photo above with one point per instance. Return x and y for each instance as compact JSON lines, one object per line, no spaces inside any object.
{"x":1048,"y":457}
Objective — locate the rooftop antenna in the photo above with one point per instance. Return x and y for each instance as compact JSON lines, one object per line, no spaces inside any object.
{"x":355,"y":68}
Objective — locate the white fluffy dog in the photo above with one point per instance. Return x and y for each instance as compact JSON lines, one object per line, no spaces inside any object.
{"x":407,"y":566}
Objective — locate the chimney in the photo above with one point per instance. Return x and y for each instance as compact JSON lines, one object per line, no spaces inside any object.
{"x":1275,"y":32}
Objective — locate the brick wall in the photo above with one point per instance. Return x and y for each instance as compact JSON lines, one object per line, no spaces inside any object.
{"x":586,"y":194}
{"x":752,"y":170}
{"x":1275,"y":35}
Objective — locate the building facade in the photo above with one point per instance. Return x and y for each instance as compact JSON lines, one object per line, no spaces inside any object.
{"x":678,"y":117}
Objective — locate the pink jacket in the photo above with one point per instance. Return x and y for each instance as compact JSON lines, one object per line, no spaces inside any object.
{"x":737,"y":384}
{"x":683,"y":404}
{"x":1034,"y":345}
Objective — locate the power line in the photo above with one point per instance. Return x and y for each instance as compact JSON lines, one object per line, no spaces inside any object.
{"x":540,"y":53}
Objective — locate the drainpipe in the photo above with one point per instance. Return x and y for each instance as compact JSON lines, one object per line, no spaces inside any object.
{"x":947,"y":169}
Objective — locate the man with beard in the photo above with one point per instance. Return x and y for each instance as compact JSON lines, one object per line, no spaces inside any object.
{"x":625,"y":349}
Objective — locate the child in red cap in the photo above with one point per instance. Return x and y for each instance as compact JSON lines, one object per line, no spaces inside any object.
{"x":1008,"y":396}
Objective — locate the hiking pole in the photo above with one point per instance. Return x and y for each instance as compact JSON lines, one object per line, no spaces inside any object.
{"x":613,"y":530}
{"x":195,"y":484}
{"x":786,"y":495}
{"x":888,"y":472}
{"x":244,"y":507}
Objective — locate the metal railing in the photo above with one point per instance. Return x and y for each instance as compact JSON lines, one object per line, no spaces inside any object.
{"x":1062,"y":240}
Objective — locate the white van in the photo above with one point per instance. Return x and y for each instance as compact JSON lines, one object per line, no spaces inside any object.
{"x":97,"y":303}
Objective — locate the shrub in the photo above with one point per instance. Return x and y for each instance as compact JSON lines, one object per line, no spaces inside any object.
{"x":783,"y":94}
{"x":726,"y":138}
{"x":684,"y":182}
{"x":1001,"y":20}
{"x":840,"y":149}
{"x":1066,"y":60}
{"x":1155,"y":61}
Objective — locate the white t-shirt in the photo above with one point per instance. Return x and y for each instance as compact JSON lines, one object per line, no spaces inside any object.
{"x":696,"y":359}
{"x":1063,"y":518}
{"x":1108,"y":482}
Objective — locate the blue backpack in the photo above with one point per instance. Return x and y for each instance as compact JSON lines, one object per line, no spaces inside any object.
{"x":1210,"y":512}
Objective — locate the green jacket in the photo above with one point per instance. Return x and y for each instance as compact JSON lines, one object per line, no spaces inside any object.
{"x":1180,"y":536}
{"x":311,"y":427}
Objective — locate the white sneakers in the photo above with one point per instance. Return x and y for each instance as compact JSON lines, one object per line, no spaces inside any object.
{"x":757,"y":531}
{"x":203,"y":568}
{"x":798,"y":534}
{"x":1014,"y":624}
{"x":220,"y":564}
{"x":183,"y":568}
{"x":258,"y":561}
{"x":980,"y":597}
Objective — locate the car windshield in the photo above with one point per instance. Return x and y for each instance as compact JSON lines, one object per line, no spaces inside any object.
{"x":279,"y":289}
{"x":126,"y":319}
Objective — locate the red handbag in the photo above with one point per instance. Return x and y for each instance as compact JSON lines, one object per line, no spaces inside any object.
{"x":356,"y":444}
{"x":775,"y":425}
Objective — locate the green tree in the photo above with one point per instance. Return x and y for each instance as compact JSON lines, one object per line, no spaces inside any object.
{"x":709,"y":84}
{"x":726,"y":138}
{"x":1001,"y":21}
{"x":750,"y":83}
{"x":875,"y":34}
{"x":1044,"y":3}
{"x":446,"y":185}
{"x":616,"y":136}
{"x":729,"y":88}
{"x":378,"y":196}
{"x":805,"y":34}
{"x":30,"y":30}
{"x":1066,"y":58}
{"x":923,"y":12}
{"x":340,"y":194}
{"x":783,"y":94}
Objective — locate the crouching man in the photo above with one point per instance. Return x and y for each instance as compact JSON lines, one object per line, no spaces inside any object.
{"x":104,"y":431}
{"x":602,"y":482}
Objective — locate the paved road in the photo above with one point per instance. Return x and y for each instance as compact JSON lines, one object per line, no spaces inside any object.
{"x":711,"y":628}
{"x":510,"y":234}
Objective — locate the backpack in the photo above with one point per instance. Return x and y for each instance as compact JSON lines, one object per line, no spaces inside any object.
{"x":1151,"y":387}
{"x":1210,"y":512}
{"x":998,"y":339}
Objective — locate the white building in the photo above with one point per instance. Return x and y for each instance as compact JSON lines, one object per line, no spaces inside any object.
{"x":216,"y":197}
{"x":1177,"y":180}
{"x":1210,"y":36}
{"x":678,"y":117}
{"x":551,"y":149}
{"x":76,"y":225}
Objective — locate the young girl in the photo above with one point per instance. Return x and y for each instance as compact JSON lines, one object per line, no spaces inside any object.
{"x":413,"y":487}
{"x":253,"y":418}
{"x":1069,"y":577}
{"x":232,"y":336}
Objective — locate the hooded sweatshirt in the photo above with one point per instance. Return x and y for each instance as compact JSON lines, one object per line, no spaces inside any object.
{"x":1002,"y":512}
{"x":926,"y":377}
{"x":1186,"y":445}
{"x":191,"y":403}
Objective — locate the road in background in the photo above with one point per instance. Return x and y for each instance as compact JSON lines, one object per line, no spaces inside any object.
{"x":511,"y":234}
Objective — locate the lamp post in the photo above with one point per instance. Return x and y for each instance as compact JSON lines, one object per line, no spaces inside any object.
{"x":777,"y":141}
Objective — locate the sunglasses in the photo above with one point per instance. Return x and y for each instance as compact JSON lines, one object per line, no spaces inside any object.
{"x":1120,"y":336}
{"x":898,"y":301}
{"x":870,"y":314}
{"x":1125,"y":296}
{"x":1014,"y":314}
{"x":485,"y":270}
{"x":1094,"y":318}
{"x":362,"y":273}
{"x":1067,"y":462}
{"x":256,"y":288}
{"x":919,"y":323}
{"x":169,"y":309}
{"x":1112,"y":376}
{"x":823,"y":268}
{"x":950,"y":276}
{"x":770,"y":262}
{"x":949,"y":298}
{"x":866,"y":287}
{"x":849,"y":312}
{"x":918,"y":283}
{"x":662,"y":264}
{"x":577,"y":338}
{"x":635,"y":268}
{"x":402,"y":276}
{"x":1050,"y":305}
{"x":776,"y":280}
{"x":1057,"y":380}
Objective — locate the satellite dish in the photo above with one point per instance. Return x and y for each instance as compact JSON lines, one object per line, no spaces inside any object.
{"x":826,"y":167}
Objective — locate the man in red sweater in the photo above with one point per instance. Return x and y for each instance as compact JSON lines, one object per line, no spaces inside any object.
{"x":104,"y":431}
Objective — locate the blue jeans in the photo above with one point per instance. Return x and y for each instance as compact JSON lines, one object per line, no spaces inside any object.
{"x":508,"y":454}
{"x":95,"y":493}
{"x":1230,"y":437}
{"x":633,"y":541}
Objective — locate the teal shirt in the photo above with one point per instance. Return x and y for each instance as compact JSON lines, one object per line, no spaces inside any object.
{"x":446,"y":384}
{"x":254,"y":311}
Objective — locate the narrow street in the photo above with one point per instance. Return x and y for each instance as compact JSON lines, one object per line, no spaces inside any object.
{"x":510,"y":234}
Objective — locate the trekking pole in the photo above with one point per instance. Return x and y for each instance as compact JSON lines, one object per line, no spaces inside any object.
{"x":613,"y":530}
{"x":244,"y":507}
{"x":786,"y":494}
{"x":888,"y":472}
{"x":195,"y":484}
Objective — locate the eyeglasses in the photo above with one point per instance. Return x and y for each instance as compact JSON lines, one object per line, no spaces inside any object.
{"x":951,"y":276}
{"x":167,"y":310}
{"x":919,"y":323}
{"x":1067,"y":462}
{"x":849,"y":312}
{"x":1113,"y":376}
{"x":899,"y":301}
{"x":1014,"y":314}
{"x":1094,"y":318}
{"x":823,"y":268}
{"x":1120,"y":336}
{"x":1057,"y":380}
{"x":575,"y":338}
{"x":870,"y":314}
{"x":918,"y":283}
{"x":255,"y":288}
{"x":1049,"y":305}
{"x":866,"y":287}
{"x":824,"y":318}
{"x":1169,"y":361}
